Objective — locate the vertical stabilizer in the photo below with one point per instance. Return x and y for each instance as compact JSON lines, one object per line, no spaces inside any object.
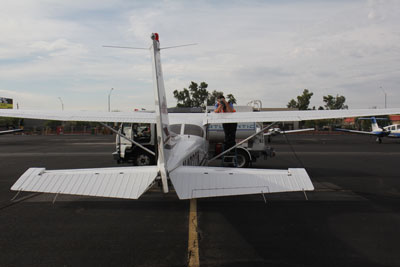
{"x":374,"y":124}
{"x":164,"y":138}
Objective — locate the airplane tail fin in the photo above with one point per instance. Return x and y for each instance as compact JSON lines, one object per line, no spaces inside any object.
{"x":374,"y":123}
{"x":164,"y":136}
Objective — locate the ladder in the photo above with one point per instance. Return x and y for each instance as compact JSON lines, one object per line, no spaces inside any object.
{"x":230,"y":158}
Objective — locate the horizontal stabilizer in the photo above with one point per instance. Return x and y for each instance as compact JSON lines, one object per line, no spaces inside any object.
{"x":126,"y":182}
{"x":197,"y":182}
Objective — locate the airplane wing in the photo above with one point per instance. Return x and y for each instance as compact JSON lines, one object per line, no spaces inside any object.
{"x":197,"y":182}
{"x":93,"y":116}
{"x":11,"y":131}
{"x":96,"y":116}
{"x":298,"y":115}
{"x":121,"y":182}
{"x":289,"y":131}
{"x":148,"y":117}
{"x":354,"y":131}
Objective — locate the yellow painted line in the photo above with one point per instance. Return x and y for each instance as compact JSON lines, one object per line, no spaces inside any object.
{"x":193,"y":244}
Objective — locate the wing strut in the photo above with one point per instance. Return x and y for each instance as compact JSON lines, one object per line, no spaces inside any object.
{"x":243,"y":141}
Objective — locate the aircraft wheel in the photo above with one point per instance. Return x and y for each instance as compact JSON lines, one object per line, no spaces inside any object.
{"x":379,"y":140}
{"x":243,"y":159}
{"x":143,"y":159}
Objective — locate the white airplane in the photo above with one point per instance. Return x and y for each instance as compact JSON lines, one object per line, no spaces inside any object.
{"x":10,"y":131}
{"x":392,"y":131}
{"x":182,"y":153}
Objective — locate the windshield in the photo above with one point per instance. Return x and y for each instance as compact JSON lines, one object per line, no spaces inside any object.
{"x":175,"y":128}
{"x":191,"y":129}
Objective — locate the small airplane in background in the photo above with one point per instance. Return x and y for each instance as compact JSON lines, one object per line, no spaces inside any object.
{"x":10,"y":131}
{"x":392,"y":131}
{"x":182,"y":152}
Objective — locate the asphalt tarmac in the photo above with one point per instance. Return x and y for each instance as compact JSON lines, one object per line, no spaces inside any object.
{"x":351,"y":219}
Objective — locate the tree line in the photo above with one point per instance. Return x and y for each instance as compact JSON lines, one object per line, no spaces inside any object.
{"x":331,"y":102}
{"x":198,"y":96}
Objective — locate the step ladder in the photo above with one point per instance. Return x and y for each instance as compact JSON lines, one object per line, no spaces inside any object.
{"x":229,"y":159}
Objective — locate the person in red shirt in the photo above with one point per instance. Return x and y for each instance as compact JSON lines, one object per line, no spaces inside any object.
{"x":229,"y":128}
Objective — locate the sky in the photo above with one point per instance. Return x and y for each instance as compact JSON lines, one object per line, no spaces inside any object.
{"x":256,"y":50}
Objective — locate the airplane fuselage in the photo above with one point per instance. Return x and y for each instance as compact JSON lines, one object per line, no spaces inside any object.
{"x":393,"y":130}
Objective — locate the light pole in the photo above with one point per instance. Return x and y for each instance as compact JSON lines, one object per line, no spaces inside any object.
{"x":109,"y":95}
{"x":62,"y":104}
{"x":385,"y":95}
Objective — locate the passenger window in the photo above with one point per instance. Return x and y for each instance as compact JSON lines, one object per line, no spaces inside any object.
{"x":191,"y":129}
{"x":398,"y":127}
{"x":393,"y":128}
{"x":175,"y":128}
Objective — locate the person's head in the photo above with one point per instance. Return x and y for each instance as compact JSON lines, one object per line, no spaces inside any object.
{"x":220,"y":97}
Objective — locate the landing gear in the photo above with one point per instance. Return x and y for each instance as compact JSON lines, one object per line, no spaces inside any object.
{"x":379,"y":140}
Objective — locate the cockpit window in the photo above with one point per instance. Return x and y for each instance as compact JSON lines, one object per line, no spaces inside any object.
{"x":191,"y":129}
{"x":175,"y":128}
{"x":393,"y":128}
{"x":398,"y":126}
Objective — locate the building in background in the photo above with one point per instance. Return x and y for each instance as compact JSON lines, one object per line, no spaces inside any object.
{"x":395,"y":119}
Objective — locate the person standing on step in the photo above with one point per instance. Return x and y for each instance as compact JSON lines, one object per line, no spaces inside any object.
{"x":229,"y":128}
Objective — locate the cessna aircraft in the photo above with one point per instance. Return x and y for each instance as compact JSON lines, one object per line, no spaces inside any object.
{"x":182,"y":153}
{"x":387,"y":131}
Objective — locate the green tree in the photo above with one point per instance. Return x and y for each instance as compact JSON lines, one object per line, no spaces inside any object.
{"x":198,"y":96}
{"x":332,"y":102}
{"x":212,"y":97}
{"x":303,"y":101}
{"x":292,"y":104}
{"x":231,"y":99}
{"x":195,"y":96}
{"x":337,"y":102}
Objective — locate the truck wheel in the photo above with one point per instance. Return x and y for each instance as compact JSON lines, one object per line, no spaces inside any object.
{"x":243,"y":159}
{"x":143,"y":159}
